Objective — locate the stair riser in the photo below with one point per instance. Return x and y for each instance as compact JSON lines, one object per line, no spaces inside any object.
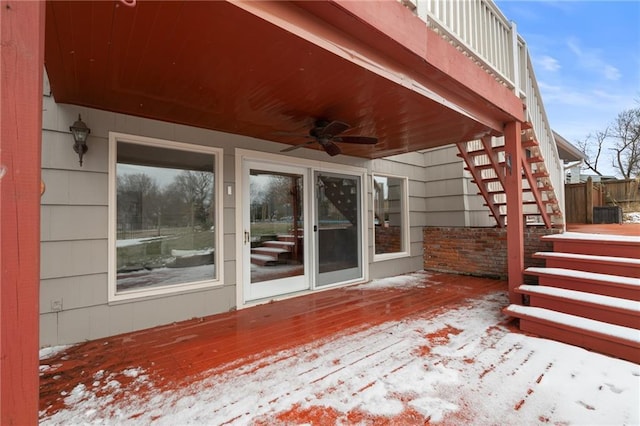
{"x":278,"y":244}
{"x":582,"y":339}
{"x":631,"y":251}
{"x":289,"y":238}
{"x":262,"y":262}
{"x":597,"y":267}
{"x":595,"y":287}
{"x":609,"y":315}
{"x":280,"y":256}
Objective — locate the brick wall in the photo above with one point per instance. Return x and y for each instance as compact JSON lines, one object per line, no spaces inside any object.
{"x":479,"y":251}
{"x":388,"y":239}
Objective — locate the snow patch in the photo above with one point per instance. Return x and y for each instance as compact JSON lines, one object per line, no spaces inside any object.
{"x":490,"y":374}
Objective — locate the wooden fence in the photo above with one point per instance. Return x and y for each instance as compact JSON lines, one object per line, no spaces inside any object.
{"x":581,"y":198}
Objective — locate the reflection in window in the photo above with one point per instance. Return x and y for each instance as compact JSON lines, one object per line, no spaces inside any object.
{"x":165,"y":217}
{"x":388,"y":193}
{"x":277,"y":221}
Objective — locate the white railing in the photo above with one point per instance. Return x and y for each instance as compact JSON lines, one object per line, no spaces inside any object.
{"x":481,"y":31}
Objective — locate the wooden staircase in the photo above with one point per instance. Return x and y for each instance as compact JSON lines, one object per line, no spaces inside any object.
{"x":276,"y":252}
{"x":588,"y":294}
{"x":486,"y":161}
{"x":341,"y":194}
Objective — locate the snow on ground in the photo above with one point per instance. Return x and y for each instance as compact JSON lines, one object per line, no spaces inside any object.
{"x":632,"y":217}
{"x":460,"y":367}
{"x":137,"y":241}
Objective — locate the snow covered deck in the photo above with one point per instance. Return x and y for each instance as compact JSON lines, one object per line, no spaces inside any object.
{"x":414,"y":349}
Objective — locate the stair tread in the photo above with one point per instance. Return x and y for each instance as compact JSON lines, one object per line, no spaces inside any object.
{"x":563,"y":320}
{"x":587,"y":258}
{"x":579,"y":236}
{"x":583,"y":275}
{"x":263,"y":257}
{"x":280,"y":243}
{"x":581,"y":296}
{"x":273,"y":250}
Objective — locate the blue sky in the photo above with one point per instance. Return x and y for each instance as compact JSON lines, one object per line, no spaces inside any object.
{"x":586,"y":56}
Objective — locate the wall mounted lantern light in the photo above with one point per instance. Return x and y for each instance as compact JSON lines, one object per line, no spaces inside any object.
{"x":80,"y":132}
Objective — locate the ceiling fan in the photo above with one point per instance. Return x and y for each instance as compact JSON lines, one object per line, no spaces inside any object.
{"x":326,"y":133}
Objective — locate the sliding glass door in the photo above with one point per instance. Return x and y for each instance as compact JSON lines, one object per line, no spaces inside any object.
{"x":299,"y":236}
{"x":338,"y":229}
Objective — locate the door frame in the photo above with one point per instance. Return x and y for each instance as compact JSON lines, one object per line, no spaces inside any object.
{"x":242,"y":155}
{"x":319,"y":276}
{"x":272,"y":288}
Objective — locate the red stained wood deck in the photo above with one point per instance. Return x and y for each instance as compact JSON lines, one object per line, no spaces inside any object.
{"x":180,"y":353}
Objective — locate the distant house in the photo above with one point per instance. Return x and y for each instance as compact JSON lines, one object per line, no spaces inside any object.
{"x":572,"y":158}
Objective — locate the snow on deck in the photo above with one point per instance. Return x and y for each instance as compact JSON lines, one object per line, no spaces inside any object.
{"x":571,"y":273}
{"x":589,"y":257}
{"x":459,"y":365}
{"x":613,"y":302}
{"x":616,"y":331}
{"x":593,"y":237}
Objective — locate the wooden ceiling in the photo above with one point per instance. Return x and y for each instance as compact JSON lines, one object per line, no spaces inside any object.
{"x":268,"y":70}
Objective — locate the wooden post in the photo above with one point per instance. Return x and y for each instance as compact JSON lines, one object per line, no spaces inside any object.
{"x":21,"y":74}
{"x":588,"y":196}
{"x":515,"y":218}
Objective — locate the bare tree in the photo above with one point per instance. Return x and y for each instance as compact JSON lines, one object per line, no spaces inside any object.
{"x":138,"y":201}
{"x":625,"y":133}
{"x":592,"y":147}
{"x":196,"y":191}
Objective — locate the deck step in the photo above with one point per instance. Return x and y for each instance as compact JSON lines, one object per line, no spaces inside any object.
{"x":590,"y":282}
{"x":276,"y":253}
{"x":615,"y":340}
{"x":587,"y":305}
{"x":262,"y":260}
{"x":596,"y":244}
{"x":284,"y":245}
{"x":621,"y":266}
{"x":289,"y":237}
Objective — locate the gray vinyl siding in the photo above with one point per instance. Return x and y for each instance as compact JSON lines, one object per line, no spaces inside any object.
{"x":74,"y":232}
{"x":451,"y":196}
{"x":444,"y":196}
{"x":410,"y":165}
{"x":74,"y":303}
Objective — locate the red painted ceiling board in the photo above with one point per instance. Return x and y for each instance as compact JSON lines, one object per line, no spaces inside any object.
{"x":252,"y":72}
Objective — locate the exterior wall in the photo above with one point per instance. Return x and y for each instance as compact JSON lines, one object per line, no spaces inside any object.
{"x":452,"y":198}
{"x":74,"y":302}
{"x":74,"y":223}
{"x":411,"y":165}
{"x":478,"y":251}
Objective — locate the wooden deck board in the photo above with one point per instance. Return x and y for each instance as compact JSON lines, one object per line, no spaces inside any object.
{"x":176,"y":354}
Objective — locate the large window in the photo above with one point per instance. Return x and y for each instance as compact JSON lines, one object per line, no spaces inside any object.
{"x":164,"y":217}
{"x":390,"y":216}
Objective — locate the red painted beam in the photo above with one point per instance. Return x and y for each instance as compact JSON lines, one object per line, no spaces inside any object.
{"x":21,"y":68}
{"x":515,"y":218}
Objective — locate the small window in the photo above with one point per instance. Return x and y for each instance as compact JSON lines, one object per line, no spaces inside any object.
{"x":164,"y":219}
{"x":390,"y":216}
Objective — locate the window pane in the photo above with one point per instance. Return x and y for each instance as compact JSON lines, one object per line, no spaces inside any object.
{"x":165,"y":217}
{"x":388,"y":214}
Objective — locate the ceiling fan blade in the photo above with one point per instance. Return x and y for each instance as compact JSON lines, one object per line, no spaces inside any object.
{"x":331,"y":148}
{"x":332,"y":129}
{"x":291,"y":148}
{"x":356,"y":139}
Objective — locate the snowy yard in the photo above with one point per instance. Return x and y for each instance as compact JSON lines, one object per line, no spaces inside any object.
{"x":462,"y":366}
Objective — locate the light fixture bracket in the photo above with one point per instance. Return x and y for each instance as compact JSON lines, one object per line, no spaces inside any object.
{"x":80,"y":133}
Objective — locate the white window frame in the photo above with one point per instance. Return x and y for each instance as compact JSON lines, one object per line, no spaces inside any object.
{"x":217,"y":153}
{"x":404,"y":217}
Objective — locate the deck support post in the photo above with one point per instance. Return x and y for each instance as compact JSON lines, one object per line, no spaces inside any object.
{"x":21,"y":70}
{"x":515,"y":217}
